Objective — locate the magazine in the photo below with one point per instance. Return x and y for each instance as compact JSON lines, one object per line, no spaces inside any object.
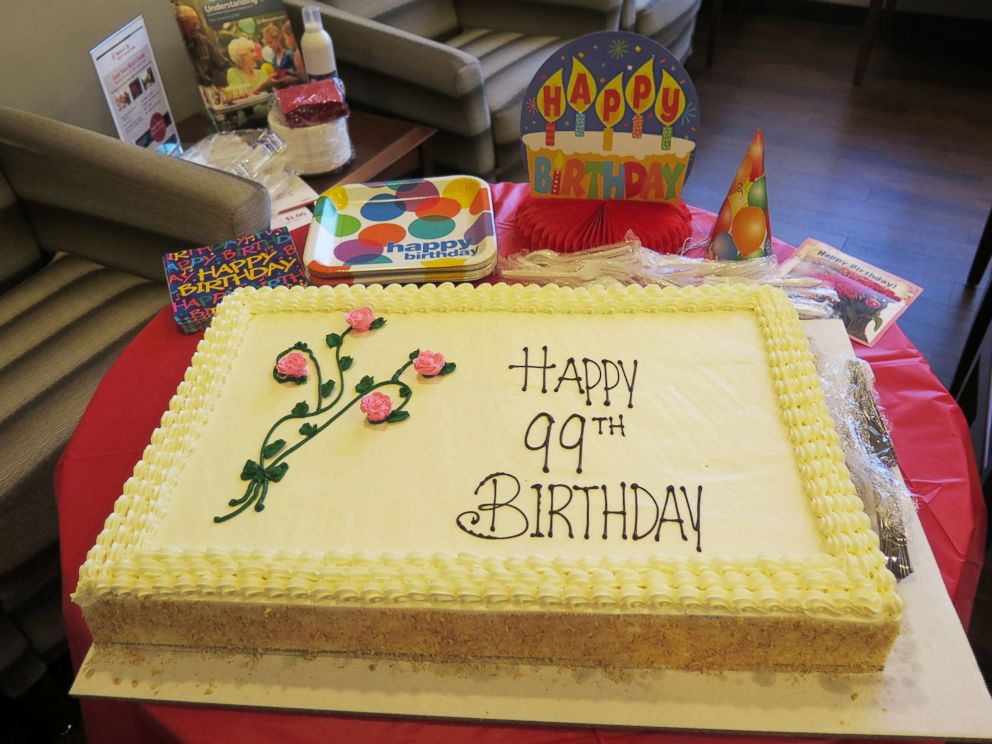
{"x":869,"y":298}
{"x":241,"y":50}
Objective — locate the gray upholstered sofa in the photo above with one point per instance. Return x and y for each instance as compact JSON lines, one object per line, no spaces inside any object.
{"x":463,"y":65}
{"x":84,"y":221}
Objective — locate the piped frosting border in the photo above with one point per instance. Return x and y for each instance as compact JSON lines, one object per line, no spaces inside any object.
{"x":848,"y":580}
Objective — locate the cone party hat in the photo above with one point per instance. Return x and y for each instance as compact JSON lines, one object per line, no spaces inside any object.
{"x":742,"y":228}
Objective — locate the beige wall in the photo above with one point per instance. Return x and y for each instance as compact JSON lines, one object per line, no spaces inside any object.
{"x":47,"y":67}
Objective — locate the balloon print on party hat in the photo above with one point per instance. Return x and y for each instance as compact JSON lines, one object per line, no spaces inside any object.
{"x":743,"y":228}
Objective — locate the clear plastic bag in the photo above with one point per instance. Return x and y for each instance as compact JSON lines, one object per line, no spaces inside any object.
{"x":628,"y":262}
{"x":602,"y":265}
{"x":256,"y":154}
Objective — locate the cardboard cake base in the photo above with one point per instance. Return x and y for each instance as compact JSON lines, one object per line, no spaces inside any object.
{"x":931,"y":686}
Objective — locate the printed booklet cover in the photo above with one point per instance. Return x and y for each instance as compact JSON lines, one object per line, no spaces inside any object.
{"x":241,"y":50}
{"x":131,"y":82}
{"x":870,"y":299}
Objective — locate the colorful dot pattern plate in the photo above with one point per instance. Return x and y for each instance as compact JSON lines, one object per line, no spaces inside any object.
{"x":417,"y":230}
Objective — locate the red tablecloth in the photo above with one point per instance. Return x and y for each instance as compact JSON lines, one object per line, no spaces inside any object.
{"x":930,"y":435}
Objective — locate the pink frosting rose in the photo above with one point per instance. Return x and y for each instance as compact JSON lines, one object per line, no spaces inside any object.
{"x":377,"y":406}
{"x":360,"y":318}
{"x":429,"y":363}
{"x":294,"y":365}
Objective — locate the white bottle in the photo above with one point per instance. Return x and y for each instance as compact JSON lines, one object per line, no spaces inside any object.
{"x":316,"y":46}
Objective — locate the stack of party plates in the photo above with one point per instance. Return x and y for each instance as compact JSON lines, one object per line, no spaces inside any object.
{"x":419,"y":230}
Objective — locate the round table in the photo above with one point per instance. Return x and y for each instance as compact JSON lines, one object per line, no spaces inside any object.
{"x":930,"y":435}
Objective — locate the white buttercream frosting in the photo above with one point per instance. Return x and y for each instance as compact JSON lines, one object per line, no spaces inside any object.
{"x":726,"y":397}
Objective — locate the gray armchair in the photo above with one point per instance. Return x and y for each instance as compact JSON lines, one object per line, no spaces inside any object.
{"x":463,"y":65}
{"x":669,"y":22}
{"x":84,"y":221}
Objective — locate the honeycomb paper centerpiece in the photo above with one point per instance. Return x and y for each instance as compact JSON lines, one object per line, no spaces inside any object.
{"x":618,"y":477}
{"x":611,"y":115}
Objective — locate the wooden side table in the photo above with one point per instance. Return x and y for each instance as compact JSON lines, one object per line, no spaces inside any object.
{"x":385,"y":148}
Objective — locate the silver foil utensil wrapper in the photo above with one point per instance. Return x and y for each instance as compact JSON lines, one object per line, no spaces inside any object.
{"x":864,"y":436}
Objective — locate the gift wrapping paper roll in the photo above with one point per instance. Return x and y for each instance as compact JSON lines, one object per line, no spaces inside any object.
{"x":318,"y":149}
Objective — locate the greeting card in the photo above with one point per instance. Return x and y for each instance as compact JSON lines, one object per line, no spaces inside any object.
{"x":870,"y":299}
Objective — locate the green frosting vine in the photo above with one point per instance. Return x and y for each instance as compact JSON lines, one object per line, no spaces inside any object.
{"x":271,"y":465}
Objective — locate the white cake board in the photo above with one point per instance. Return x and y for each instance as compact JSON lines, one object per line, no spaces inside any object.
{"x":931,"y":686}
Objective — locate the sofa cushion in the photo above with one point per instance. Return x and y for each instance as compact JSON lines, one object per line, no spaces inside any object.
{"x":18,"y":251}
{"x":59,"y":332}
{"x":509,"y":60}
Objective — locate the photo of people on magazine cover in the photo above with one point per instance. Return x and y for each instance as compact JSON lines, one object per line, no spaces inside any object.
{"x":240,"y":54}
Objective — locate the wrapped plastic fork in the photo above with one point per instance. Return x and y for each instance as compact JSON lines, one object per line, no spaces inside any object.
{"x":628,"y":262}
{"x":606,"y":264}
{"x":810,"y":297}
